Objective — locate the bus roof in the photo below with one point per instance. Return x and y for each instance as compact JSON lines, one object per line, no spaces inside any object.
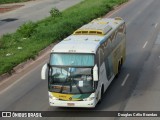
{"x":89,"y":37}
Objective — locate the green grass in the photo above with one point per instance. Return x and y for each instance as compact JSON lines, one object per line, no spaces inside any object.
{"x":33,"y":37}
{"x":12,"y":1}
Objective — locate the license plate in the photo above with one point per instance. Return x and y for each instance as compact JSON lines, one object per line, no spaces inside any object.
{"x":70,"y":104}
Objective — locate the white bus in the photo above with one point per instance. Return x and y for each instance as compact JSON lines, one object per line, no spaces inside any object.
{"x":82,"y":66}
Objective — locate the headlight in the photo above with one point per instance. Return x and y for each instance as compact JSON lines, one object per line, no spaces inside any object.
{"x":89,"y":99}
{"x":85,"y":99}
{"x":53,"y":98}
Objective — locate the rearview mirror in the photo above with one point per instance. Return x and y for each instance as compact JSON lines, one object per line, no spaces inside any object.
{"x":43,"y":71}
{"x":95,"y":73}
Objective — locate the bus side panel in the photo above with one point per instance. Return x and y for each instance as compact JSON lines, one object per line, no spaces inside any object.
{"x":116,"y":55}
{"x":124,"y":49}
{"x":108,"y":56}
{"x":119,"y":46}
{"x":102,"y":69}
{"x":122,"y":30}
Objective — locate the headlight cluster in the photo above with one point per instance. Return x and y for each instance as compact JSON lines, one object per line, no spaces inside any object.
{"x":53,"y":98}
{"x":89,"y":99}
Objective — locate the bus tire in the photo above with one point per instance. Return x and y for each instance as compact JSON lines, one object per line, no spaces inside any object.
{"x":121,"y":62}
{"x":102,"y":92}
{"x":119,"y":69}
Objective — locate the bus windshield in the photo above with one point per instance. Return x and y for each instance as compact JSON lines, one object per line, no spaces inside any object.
{"x":71,"y":73}
{"x":70,"y":80}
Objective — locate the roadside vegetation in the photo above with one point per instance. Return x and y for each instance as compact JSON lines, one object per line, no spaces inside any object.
{"x":12,"y":1}
{"x":32,"y":37}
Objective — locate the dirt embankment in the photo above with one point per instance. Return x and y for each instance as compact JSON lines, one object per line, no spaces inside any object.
{"x":12,"y":6}
{"x":5,"y":8}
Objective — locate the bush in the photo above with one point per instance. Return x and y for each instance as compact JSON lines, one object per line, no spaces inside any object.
{"x":27,"y":29}
{"x":54,"y":12}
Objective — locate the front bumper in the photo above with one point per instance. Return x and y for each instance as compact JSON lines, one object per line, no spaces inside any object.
{"x":59,"y":103}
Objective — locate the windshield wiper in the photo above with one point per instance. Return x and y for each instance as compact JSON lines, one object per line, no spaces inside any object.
{"x":64,"y":82}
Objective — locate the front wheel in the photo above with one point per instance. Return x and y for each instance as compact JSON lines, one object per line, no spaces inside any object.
{"x":101,"y":97}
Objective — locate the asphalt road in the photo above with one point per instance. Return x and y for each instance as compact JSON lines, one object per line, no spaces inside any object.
{"x":31,"y":11}
{"x":137,"y":87}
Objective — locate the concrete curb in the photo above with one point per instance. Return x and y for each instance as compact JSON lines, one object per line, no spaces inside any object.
{"x":4,"y":76}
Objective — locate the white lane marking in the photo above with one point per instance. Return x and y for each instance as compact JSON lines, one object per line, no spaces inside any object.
{"x":145,"y":44}
{"x":156,"y":25}
{"x":127,"y":76}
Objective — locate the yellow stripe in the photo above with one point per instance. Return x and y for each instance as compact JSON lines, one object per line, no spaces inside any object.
{"x":64,"y":96}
